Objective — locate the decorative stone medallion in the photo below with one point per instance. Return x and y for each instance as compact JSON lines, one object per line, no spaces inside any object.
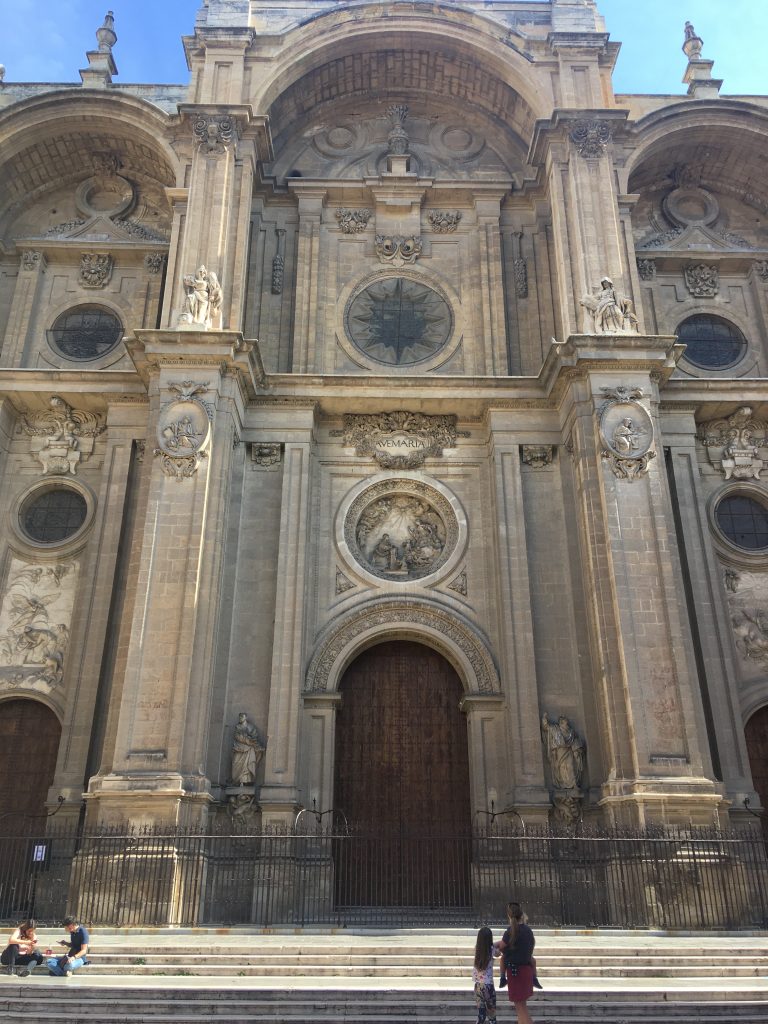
{"x":626,"y":432}
{"x":183,"y":430}
{"x":398,"y":321}
{"x":401,"y":530}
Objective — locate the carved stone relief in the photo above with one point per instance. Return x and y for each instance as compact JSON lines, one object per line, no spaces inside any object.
{"x":397,"y":250}
{"x":183,"y":430}
{"x":646,"y":268}
{"x":748,"y":603}
{"x":63,"y":436}
{"x":397,"y":140}
{"x":761,"y":269}
{"x":626,"y":432}
{"x":731,"y":580}
{"x":692,"y":215}
{"x":565,"y":753}
{"x":399,"y":440}
{"x":537,"y":456}
{"x":154,"y":262}
{"x":343,"y":583}
{"x":352,"y":222}
{"x":96,"y":269}
{"x":702,"y":280}
{"x":411,"y":616}
{"x":520,"y":268}
{"x":591,"y":138}
{"x":214,"y":133}
{"x":734,"y":444}
{"x":35,"y":620}
{"x":204,"y":299}
{"x":278,"y":263}
{"x":401,"y":530}
{"x":611,"y":312}
{"x":459,"y":584}
{"x":32,"y":260}
{"x":266,"y":455}
{"x":444,"y":221}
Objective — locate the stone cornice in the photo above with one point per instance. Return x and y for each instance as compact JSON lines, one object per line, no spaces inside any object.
{"x":227,"y":350}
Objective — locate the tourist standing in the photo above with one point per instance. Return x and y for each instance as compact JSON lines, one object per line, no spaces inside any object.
{"x":519,"y":968}
{"x":482,"y":976}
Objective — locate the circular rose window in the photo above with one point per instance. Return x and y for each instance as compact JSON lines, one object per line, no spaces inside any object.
{"x":401,"y":530}
{"x":399,"y":321}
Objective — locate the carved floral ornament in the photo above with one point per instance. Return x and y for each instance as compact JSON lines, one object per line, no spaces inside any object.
{"x":447,"y":632}
{"x":183,"y":430}
{"x":734,"y":444}
{"x":399,"y":440}
{"x":352,"y":222}
{"x":444,"y":221}
{"x":626,"y":432}
{"x":702,"y":280}
{"x":62,"y":436}
{"x":96,"y":269}
{"x":591,"y":138}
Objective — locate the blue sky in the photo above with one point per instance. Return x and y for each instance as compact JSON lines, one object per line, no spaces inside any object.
{"x":46,"y":40}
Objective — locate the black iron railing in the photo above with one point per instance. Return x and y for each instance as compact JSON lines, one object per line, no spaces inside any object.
{"x":685,"y":878}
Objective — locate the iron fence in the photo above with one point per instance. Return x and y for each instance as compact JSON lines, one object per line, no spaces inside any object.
{"x":687,"y":878}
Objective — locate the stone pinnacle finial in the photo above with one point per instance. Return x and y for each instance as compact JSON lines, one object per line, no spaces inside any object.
{"x":693,"y":44}
{"x":2,"y":72}
{"x":106,"y":34}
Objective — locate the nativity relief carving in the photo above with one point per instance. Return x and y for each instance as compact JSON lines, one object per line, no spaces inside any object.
{"x":35,"y":620}
{"x":735,"y":444}
{"x":401,"y":530}
{"x":62,"y":436}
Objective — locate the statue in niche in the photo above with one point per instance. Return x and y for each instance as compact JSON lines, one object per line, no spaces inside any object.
{"x":204,"y":297}
{"x":612,"y":313}
{"x":565,"y":752}
{"x":247,"y":752}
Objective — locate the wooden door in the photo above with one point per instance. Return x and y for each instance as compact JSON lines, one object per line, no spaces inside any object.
{"x":29,"y":744}
{"x":402,"y":779}
{"x":756,"y":733}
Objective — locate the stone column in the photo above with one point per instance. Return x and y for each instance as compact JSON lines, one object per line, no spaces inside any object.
{"x":25,"y":296}
{"x":487,"y":754}
{"x":712,"y":616}
{"x":226,"y":142}
{"x":307,"y":272}
{"x":318,"y":741}
{"x":524,"y":783}
{"x":280,"y":797}
{"x":491,"y":291}
{"x":656,"y":759}
{"x":198,"y":382}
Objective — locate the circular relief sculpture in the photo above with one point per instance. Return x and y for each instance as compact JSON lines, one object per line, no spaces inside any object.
{"x":401,"y":530}
{"x":743,"y":520}
{"x":398,"y":321}
{"x":86,"y":333}
{"x":53,"y":515}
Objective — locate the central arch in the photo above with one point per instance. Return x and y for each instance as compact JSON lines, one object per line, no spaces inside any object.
{"x":402,"y":780}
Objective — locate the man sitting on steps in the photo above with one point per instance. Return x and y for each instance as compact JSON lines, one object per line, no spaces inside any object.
{"x":64,"y":966}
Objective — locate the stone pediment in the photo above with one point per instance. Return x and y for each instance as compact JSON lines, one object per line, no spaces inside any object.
{"x":696,"y":238}
{"x":102,"y":231}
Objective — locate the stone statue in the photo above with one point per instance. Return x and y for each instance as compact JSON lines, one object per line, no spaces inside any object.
{"x":204,"y":298}
{"x":247,"y":752}
{"x":612,"y":313}
{"x":690,"y":31}
{"x":565,"y":752}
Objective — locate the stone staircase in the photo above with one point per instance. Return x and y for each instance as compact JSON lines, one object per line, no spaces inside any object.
{"x":369,"y":976}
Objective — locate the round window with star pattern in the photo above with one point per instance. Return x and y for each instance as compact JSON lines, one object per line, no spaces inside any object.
{"x":398,"y":321}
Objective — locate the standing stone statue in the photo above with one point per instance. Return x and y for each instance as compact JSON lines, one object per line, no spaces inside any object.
{"x":565,"y":751}
{"x":204,"y":298}
{"x":612,"y":313}
{"x":247,"y":752}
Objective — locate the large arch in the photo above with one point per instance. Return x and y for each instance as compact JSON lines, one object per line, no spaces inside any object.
{"x":447,"y":632}
{"x":30,"y":733}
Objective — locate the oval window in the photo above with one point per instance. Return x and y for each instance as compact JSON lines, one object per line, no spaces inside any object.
{"x":86,"y":333}
{"x":744,"y":521}
{"x":712,"y":343}
{"x":53,"y":516}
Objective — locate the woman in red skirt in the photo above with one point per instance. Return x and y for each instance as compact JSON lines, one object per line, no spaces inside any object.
{"x":516,"y":947}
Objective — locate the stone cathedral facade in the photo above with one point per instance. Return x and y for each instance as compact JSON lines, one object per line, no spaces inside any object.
{"x":383,"y":425}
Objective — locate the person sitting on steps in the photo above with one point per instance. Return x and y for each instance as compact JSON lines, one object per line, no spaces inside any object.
{"x":21,"y":950}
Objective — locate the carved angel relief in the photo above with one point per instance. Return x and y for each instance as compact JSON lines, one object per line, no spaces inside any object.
{"x":63,"y":435}
{"x":626,"y":432}
{"x":733,"y":444}
{"x":183,"y":430}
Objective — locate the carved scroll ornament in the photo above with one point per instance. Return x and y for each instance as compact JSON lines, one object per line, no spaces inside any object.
{"x":63,"y":435}
{"x":397,"y":250}
{"x":399,"y":440}
{"x":591,"y":138}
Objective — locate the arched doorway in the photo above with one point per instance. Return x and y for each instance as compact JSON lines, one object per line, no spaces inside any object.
{"x":402,"y":780}
{"x":756,"y":733}
{"x":29,"y":744}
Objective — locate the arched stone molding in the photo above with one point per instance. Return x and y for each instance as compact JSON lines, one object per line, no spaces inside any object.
{"x":754,"y":696}
{"x":447,"y":632}
{"x":662,"y":130}
{"x":39,"y":698}
{"x":344,"y":32}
